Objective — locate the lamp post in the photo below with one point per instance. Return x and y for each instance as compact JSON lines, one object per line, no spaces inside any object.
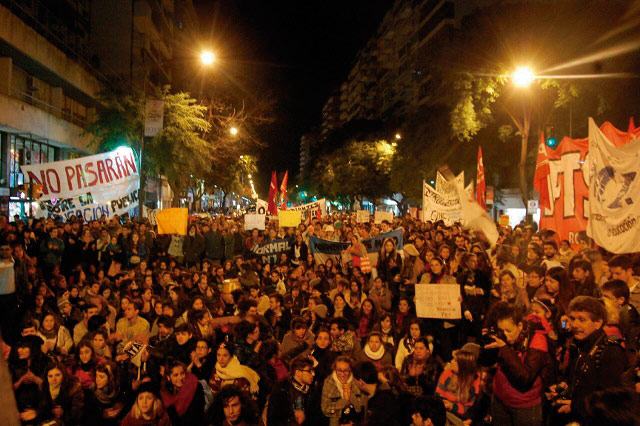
{"x":522,"y":78}
{"x":207,"y":58}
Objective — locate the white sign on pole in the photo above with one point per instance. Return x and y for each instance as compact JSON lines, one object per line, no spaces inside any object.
{"x":362,"y":216}
{"x":153,"y":117}
{"x":440,"y":301}
{"x":532,"y":206}
{"x":254,"y":221}
{"x":380,"y":216}
{"x":261,"y":207}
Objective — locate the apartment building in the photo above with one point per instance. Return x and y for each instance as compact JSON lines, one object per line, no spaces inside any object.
{"x":47,"y":89}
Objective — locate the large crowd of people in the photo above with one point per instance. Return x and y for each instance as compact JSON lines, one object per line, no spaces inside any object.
{"x":102,"y":324}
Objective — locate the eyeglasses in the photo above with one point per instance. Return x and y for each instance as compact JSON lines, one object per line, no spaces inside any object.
{"x":308,"y":371}
{"x":343,"y":371}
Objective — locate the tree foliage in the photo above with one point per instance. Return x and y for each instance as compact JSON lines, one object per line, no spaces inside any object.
{"x":356,"y":169}
{"x":195,"y":146}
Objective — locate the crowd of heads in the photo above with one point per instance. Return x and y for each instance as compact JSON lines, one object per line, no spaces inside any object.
{"x":110,"y":320}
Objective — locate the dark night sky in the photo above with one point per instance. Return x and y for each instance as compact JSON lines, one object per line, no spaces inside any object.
{"x":296,"y":51}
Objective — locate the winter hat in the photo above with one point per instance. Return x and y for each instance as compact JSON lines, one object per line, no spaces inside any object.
{"x":474,"y":348}
{"x":148,"y":387}
{"x":62,"y":303}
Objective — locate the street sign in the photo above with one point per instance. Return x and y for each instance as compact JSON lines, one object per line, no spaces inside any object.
{"x":532,"y":206}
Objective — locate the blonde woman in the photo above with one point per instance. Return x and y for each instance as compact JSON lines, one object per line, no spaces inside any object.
{"x":147,"y":410}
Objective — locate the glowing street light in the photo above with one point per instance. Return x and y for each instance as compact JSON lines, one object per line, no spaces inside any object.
{"x":398,"y":136}
{"x":233,"y":131}
{"x":207,"y":57}
{"x":523,"y":77}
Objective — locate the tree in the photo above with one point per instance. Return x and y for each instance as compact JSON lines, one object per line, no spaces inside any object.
{"x":173,"y":152}
{"x":195,"y":146}
{"x":471,"y":93}
{"x":356,"y":169}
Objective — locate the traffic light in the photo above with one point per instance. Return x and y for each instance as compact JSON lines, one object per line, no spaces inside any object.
{"x":552,"y":142}
{"x":550,"y":139}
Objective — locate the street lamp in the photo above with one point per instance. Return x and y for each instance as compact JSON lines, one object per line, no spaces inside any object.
{"x":398,"y":136}
{"x":523,"y":77}
{"x":207,"y":57}
{"x":233,"y":131}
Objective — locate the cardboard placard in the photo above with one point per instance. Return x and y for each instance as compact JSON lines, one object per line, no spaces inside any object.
{"x":504,"y":220}
{"x":440,"y":301}
{"x":289,"y":218}
{"x":380,"y":216}
{"x":362,"y":216}
{"x":254,"y":221}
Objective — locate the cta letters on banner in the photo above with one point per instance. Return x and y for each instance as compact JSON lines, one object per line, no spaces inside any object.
{"x":76,"y":177}
{"x":325,"y":249}
{"x":271,"y":251}
{"x":172,"y":221}
{"x":614,"y":192}
{"x":362,"y":216}
{"x":568,"y":184}
{"x":254,"y":221}
{"x":311,"y":209}
{"x":380,"y":216}
{"x":289,"y":218}
{"x":440,"y":301}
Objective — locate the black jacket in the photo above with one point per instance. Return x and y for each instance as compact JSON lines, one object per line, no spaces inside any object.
{"x":282,"y":401}
{"x":595,"y":363}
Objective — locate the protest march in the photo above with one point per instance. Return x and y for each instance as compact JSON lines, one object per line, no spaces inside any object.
{"x":317,"y":317}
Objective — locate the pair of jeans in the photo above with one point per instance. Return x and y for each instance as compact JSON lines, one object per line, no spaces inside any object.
{"x":504,"y":415}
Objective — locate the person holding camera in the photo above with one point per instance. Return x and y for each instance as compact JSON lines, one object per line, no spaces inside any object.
{"x":524,"y":366}
{"x":596,"y":361}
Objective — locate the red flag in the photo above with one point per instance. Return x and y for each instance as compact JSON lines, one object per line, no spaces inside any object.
{"x":273,"y":189}
{"x":541,"y":175}
{"x":283,"y":190}
{"x":319,"y":213}
{"x":481,"y":184}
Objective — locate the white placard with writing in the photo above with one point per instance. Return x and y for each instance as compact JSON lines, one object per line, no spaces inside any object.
{"x":440,"y":301}
{"x":380,"y":216}
{"x":362,"y":216}
{"x":254,"y":221}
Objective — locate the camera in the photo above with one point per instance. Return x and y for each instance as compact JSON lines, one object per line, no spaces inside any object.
{"x":492,"y":333}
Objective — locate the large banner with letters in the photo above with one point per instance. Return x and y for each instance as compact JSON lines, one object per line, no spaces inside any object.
{"x":76,"y":177}
{"x":311,"y":209}
{"x":88,"y":187}
{"x":569,"y":184}
{"x":325,"y":249}
{"x":614,"y":212}
{"x":271,"y":251}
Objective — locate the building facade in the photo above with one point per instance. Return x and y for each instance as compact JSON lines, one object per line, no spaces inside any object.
{"x":47,"y":90}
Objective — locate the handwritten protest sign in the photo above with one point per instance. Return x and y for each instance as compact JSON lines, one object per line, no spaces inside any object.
{"x":254,"y":221}
{"x":380,"y":216}
{"x":440,"y":301}
{"x":289,"y":218}
{"x":362,"y":216}
{"x":175,"y":248}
